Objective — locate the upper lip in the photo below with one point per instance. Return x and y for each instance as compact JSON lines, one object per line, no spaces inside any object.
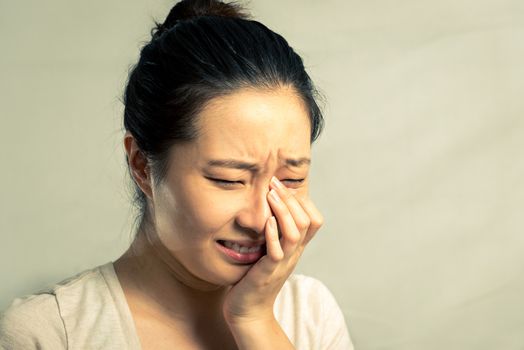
{"x":245,"y":243}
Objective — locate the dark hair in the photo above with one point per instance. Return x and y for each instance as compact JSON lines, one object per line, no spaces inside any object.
{"x":203,"y":49}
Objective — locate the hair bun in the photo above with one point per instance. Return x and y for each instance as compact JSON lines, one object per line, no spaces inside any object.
{"x":187,"y":9}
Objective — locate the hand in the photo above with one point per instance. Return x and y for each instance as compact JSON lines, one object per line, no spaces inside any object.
{"x":297,"y":219}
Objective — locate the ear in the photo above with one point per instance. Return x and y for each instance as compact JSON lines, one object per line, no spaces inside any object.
{"x":138,"y":164}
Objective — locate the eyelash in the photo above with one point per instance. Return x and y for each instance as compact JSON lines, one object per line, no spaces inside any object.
{"x":228,"y":183}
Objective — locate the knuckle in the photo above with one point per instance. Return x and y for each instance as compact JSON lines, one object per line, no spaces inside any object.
{"x":303,"y":223}
{"x":278,"y":256}
{"x":293,"y":237}
{"x":317,"y":221}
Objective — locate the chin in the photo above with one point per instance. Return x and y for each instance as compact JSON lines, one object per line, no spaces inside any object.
{"x":230,"y":275}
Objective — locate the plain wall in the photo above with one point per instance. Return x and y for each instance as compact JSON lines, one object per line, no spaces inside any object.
{"x":419,"y":172}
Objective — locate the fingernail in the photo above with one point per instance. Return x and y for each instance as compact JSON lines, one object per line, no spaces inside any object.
{"x":276,"y":183}
{"x":273,"y":222}
{"x":274,"y":195}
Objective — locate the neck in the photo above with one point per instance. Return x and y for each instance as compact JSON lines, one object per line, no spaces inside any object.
{"x":156,"y":283}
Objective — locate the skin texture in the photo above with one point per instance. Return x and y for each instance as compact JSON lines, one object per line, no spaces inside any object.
{"x":180,"y":287}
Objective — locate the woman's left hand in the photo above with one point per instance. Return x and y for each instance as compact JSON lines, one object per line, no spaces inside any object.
{"x":253,"y":297}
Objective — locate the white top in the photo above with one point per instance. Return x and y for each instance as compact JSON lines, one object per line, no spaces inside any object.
{"x":89,"y":311}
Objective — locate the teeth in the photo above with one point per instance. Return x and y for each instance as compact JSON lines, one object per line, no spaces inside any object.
{"x":241,"y":249}
{"x":254,"y":249}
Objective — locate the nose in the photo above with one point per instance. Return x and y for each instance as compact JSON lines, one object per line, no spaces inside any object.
{"x":256,"y":212}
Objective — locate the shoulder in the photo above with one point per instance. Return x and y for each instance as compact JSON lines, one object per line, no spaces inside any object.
{"x":32,"y":321}
{"x":302,"y":285}
{"x":46,"y":318}
{"x":307,"y":292}
{"x":309,"y":312}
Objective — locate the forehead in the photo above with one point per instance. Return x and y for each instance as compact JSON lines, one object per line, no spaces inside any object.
{"x":255,"y":125}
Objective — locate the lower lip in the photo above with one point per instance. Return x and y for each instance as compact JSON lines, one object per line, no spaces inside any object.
{"x":246,"y":258}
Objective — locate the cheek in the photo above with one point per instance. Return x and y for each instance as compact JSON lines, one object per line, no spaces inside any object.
{"x":300,"y":192}
{"x":204,"y":212}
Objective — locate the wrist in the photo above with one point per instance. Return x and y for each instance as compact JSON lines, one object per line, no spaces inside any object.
{"x":247,"y":321}
{"x":259,"y":333}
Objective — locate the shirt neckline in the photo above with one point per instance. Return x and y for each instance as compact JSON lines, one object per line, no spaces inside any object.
{"x":126,"y":318}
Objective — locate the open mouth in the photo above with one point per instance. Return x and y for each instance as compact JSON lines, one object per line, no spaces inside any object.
{"x":248,"y":253}
{"x":243,"y":249}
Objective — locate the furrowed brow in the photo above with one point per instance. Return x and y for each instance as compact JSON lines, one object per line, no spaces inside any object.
{"x":232,"y":163}
{"x":297,"y":162}
{"x":238,"y":164}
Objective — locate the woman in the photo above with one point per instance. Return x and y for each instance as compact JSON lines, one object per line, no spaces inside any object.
{"x":219,"y":117}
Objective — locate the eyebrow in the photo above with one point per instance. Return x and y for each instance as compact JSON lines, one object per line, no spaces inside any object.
{"x":238,"y":164}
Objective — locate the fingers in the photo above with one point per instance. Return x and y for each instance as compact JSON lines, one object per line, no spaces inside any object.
{"x":291,"y":236}
{"x":298,"y":218}
{"x":315,"y":217}
{"x":274,"y":250}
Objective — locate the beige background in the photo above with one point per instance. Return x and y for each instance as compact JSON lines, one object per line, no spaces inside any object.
{"x":419,"y":174}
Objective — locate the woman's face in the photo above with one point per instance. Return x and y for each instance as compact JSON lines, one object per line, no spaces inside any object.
{"x":216,"y":188}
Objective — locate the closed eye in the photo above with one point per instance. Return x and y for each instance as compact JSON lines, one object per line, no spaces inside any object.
{"x":294,"y":180}
{"x":224,"y":182}
{"x":229,"y":183}
{"x":293,"y":183}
